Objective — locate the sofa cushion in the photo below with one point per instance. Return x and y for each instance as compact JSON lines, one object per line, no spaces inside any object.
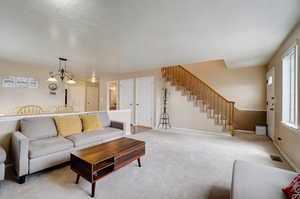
{"x":109,"y":133}
{"x":256,"y":181}
{"x":91,"y":122}
{"x":95,"y":136}
{"x":47,"y":146}
{"x":104,"y":119}
{"x":39,"y":127}
{"x":2,"y":155}
{"x":68,"y":125}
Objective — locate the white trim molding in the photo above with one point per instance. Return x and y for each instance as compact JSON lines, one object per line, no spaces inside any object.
{"x":18,"y":117}
{"x":249,"y":109}
{"x":192,"y":131}
{"x":285,"y":156}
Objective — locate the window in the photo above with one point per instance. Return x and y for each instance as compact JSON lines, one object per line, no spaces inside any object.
{"x":289,"y":87}
{"x":270,"y":80}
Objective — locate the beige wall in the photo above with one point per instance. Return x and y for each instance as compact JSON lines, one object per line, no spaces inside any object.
{"x":184,"y":113}
{"x":290,"y":143}
{"x":245,"y":86}
{"x":177,"y":103}
{"x":12,"y":98}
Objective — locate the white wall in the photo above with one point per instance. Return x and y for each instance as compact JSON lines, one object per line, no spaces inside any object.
{"x":290,"y":143}
{"x":122,"y":116}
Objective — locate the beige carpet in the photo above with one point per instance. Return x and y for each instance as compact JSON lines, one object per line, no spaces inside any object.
{"x":177,"y":165}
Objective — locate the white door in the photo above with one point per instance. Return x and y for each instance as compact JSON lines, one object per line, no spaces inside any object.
{"x":144,"y":101}
{"x":271,"y":103}
{"x":76,"y":98}
{"x":126,"y":96}
{"x":92,"y":98}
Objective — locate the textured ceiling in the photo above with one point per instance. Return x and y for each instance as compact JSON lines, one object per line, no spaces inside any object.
{"x":113,"y":36}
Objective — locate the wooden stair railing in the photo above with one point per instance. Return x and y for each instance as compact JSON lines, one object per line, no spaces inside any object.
{"x":218,"y":107}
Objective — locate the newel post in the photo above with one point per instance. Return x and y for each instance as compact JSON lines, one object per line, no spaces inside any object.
{"x":233,"y":120}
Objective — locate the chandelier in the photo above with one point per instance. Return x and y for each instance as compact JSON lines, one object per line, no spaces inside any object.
{"x":62,"y":73}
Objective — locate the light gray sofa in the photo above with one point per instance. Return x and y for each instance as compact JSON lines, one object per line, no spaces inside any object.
{"x":2,"y":165}
{"x":37,"y":146}
{"x":251,"y":181}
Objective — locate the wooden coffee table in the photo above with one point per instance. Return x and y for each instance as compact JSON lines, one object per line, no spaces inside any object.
{"x":98,"y":161}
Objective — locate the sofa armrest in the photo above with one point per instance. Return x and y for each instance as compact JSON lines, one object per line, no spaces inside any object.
{"x":117,"y":125}
{"x":2,"y":165}
{"x":20,"y":147}
{"x":2,"y":155}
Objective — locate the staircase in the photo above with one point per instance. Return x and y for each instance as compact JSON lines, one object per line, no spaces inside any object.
{"x":209,"y":100}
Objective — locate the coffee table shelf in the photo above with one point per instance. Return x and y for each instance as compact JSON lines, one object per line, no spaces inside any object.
{"x":101,"y":173}
{"x":103,"y":165}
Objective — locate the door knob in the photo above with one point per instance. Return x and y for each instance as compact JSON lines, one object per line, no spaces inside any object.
{"x":271,"y":109}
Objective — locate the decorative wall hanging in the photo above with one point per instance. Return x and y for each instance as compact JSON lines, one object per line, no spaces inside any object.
{"x":8,"y":82}
{"x":19,"y":82}
{"x":52,"y":87}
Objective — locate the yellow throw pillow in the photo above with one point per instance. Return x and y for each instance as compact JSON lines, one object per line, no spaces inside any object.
{"x":68,"y":125}
{"x":91,"y":122}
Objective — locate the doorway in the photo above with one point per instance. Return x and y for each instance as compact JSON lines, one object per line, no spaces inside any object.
{"x":138,"y":96}
{"x":126,"y":96}
{"x":112,"y":95}
{"x":144,"y":101}
{"x":92,"y":98}
{"x":271,"y":102}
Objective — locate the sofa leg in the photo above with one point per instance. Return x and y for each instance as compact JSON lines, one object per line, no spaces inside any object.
{"x":21,"y":180}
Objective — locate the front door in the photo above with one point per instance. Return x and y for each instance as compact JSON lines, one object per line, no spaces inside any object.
{"x":271,"y":102}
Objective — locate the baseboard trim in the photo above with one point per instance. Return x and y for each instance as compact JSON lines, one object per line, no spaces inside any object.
{"x":195,"y":131}
{"x":245,"y":131}
{"x":285,"y":156}
{"x":249,"y":109}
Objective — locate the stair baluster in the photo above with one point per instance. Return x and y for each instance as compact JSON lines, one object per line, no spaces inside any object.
{"x":217,"y":107}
